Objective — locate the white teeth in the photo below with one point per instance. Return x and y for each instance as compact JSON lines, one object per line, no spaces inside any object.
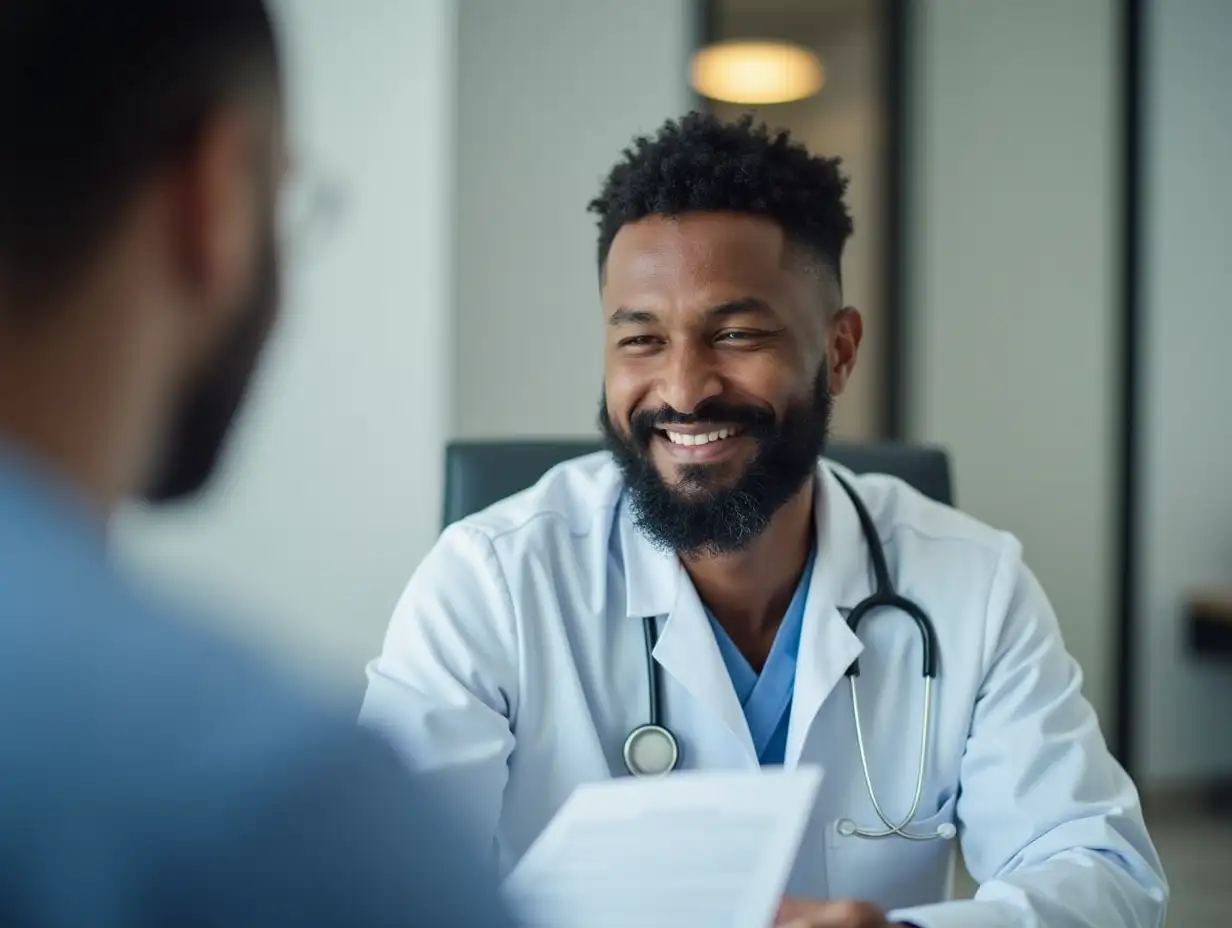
{"x":680,"y":438}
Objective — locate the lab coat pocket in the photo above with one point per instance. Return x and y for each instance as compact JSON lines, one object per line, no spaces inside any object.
{"x":893,"y":872}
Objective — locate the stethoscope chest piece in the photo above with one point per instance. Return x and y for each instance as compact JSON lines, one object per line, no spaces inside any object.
{"x":651,"y":751}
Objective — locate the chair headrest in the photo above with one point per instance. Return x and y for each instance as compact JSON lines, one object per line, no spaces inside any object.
{"x":480,"y":473}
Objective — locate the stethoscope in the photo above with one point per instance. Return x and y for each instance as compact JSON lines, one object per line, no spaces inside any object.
{"x":652,"y":750}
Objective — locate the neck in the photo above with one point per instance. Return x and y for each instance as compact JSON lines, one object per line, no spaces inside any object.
{"x":73,"y":396}
{"x":749,"y":592}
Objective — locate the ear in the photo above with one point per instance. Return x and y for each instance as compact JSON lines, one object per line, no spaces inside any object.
{"x":843,"y":336}
{"x":217,"y":199}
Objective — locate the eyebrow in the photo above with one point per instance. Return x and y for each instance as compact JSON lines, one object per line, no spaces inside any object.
{"x":748,"y":305}
{"x":627,"y":316}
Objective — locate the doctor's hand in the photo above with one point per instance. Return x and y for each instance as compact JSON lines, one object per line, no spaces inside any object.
{"x":841,"y":913}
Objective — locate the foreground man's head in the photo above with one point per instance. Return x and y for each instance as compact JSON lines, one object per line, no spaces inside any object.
{"x":152,"y":774}
{"x":138,"y":267}
{"x":720,"y":248}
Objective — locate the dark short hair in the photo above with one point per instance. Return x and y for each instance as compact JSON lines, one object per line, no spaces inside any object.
{"x":701,"y":164}
{"x":94,"y":94}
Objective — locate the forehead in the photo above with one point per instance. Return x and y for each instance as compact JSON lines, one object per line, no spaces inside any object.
{"x":716,"y":254}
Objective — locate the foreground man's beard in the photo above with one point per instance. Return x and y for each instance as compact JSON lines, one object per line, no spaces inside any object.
{"x":205,"y":416}
{"x":699,"y":516}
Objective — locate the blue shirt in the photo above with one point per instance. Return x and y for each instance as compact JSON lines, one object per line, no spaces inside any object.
{"x":766,"y":697}
{"x":150,"y":775}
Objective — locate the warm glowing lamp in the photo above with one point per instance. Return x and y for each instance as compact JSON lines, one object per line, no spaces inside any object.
{"x":750,"y":72}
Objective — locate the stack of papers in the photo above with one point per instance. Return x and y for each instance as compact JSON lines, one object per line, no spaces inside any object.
{"x":704,"y":849}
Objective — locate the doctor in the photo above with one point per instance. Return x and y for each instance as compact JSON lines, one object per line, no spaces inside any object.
{"x":712,"y":539}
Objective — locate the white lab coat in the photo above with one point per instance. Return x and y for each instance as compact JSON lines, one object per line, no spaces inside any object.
{"x":514,"y":664}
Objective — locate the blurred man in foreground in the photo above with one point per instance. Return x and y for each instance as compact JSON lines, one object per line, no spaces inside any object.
{"x":148,"y":775}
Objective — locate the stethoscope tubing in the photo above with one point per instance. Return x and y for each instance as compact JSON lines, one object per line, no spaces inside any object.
{"x":650,"y":630}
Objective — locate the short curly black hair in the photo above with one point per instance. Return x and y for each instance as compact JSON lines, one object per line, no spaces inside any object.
{"x":701,"y":164}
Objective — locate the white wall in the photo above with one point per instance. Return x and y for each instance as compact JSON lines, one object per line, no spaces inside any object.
{"x":333,"y":486}
{"x":549,"y":93}
{"x":1185,"y":430}
{"x":1012,"y":306}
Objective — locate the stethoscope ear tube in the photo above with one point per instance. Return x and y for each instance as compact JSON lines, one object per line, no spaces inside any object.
{"x":889,"y":599}
{"x":650,"y":630}
{"x":884,"y":595}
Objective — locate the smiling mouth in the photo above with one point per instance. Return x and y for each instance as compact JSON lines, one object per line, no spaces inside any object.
{"x":694,"y":439}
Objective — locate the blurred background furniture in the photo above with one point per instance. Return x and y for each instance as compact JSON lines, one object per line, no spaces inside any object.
{"x":1208,"y":617}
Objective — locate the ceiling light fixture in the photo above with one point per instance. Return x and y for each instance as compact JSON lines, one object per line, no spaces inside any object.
{"x":756,"y":72}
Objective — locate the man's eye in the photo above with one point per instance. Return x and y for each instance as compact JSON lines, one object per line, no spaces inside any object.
{"x":638,"y":341}
{"x":737,"y":336}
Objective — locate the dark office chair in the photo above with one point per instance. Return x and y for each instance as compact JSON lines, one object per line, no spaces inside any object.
{"x":479,"y":473}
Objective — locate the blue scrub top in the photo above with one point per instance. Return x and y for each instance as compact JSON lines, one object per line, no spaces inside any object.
{"x":766,"y":697}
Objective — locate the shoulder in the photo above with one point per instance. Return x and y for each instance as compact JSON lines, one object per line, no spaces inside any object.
{"x":899,"y":509}
{"x":143,"y":693}
{"x":144,"y":738}
{"x":483,"y":570}
{"x":573,"y":500}
{"x":941,"y":544}
{"x":146,"y":696}
{"x":942,"y":555}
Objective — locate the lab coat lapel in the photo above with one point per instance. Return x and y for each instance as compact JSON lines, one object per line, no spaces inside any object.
{"x":840,"y":579}
{"x":657,"y":584}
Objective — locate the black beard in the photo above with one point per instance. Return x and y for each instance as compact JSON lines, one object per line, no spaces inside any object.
{"x":204,"y":417}
{"x":696,"y":517}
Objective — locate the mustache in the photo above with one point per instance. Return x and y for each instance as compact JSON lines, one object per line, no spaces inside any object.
{"x":757,"y":421}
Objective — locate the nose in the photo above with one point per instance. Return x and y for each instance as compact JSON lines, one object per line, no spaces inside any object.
{"x":688,"y":379}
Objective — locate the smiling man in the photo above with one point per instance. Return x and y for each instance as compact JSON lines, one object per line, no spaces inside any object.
{"x":706,"y":574}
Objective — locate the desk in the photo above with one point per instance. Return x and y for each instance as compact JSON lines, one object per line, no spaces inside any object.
{"x":1208,"y":617}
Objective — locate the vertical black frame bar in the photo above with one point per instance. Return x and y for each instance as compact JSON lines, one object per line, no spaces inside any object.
{"x":705,"y":31}
{"x":895,"y":90}
{"x":707,"y":28}
{"x":1131,"y":249}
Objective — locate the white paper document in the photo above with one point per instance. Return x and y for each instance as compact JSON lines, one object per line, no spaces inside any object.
{"x":712,"y":850}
